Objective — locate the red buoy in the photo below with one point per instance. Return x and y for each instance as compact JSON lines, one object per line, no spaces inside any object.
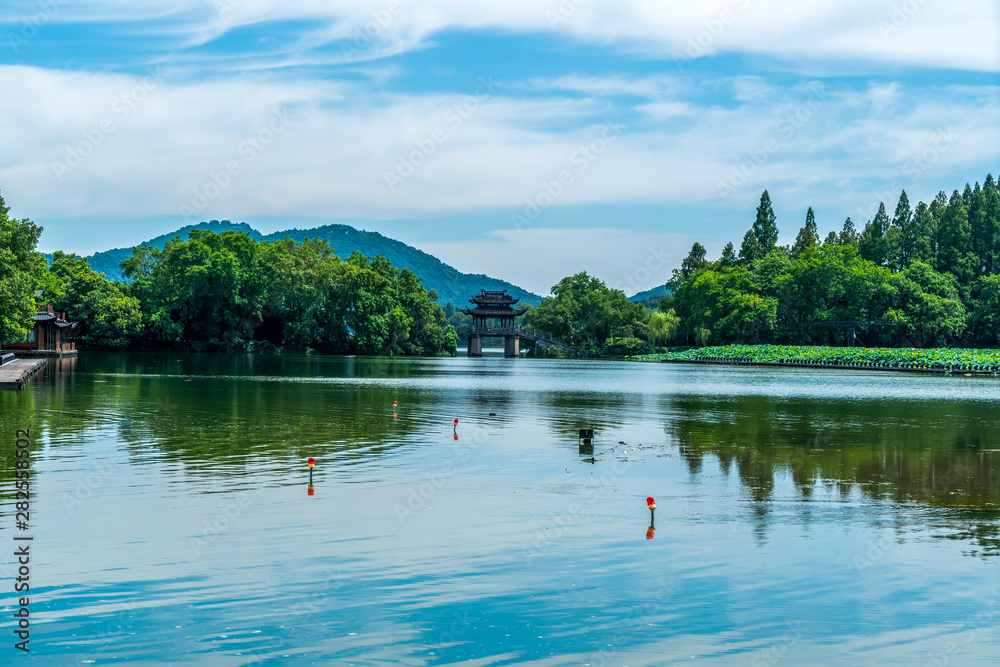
{"x":395,"y":403}
{"x":456,"y":421}
{"x":312,"y":462}
{"x":650,"y":503}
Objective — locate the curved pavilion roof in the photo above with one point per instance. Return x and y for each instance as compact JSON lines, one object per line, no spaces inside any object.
{"x":493,"y":298}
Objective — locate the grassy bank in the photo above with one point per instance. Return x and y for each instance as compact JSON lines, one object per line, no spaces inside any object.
{"x":935,"y":359}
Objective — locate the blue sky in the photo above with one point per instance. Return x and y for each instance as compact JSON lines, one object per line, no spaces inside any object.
{"x":526,"y":140}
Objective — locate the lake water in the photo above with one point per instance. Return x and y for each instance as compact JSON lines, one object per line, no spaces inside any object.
{"x":803,"y":516}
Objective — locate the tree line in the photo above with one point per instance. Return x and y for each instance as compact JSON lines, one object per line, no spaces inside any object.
{"x":225,"y":292}
{"x":930,"y":272}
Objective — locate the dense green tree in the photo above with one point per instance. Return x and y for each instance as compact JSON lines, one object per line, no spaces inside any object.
{"x":583,"y":310}
{"x":922,"y":247}
{"x":728,"y":257}
{"x":874,"y":243}
{"x":750,"y":249}
{"x":694,"y":262}
{"x":723,"y":306}
{"x":902,"y":232}
{"x":21,"y":272}
{"x":955,"y":241}
{"x":296,"y":306}
{"x":765,"y":229}
{"x":808,"y":237}
{"x":228,"y":291}
{"x":662,"y":326}
{"x":928,"y":270}
{"x":984,"y":320}
{"x":107,"y":317}
{"x":930,"y":308}
{"x":208,"y":291}
{"x":848,"y":234}
{"x":990,"y":227}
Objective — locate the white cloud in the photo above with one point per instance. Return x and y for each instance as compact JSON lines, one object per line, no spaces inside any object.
{"x":638,"y":261}
{"x":167,"y":143}
{"x":964,"y":34}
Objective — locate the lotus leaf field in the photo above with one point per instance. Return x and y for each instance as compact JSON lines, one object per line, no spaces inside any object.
{"x":940,"y":360}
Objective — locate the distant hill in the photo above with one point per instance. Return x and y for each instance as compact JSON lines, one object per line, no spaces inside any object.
{"x":452,"y":285}
{"x":646,"y":295}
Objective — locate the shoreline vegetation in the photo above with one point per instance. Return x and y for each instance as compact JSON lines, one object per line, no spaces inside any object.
{"x":934,"y":360}
{"x":915,"y":289}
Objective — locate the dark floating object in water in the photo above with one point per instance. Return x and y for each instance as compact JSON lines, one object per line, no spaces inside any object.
{"x":590,"y":460}
{"x":493,"y":414}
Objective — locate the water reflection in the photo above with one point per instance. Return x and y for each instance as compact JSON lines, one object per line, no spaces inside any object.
{"x":888,"y":452}
{"x":847,"y":502}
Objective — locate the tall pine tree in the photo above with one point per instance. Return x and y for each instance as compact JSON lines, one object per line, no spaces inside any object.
{"x":848,"y":235}
{"x":903,"y":232}
{"x":765,"y":230}
{"x":874,"y":244}
{"x":808,"y":237}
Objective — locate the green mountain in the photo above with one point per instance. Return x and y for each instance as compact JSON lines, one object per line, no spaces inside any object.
{"x":452,"y":285}
{"x":657,"y":293}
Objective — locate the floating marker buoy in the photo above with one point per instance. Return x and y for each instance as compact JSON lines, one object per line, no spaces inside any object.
{"x":456,"y":421}
{"x":651,"y":503}
{"x":312,"y":462}
{"x":395,"y":403}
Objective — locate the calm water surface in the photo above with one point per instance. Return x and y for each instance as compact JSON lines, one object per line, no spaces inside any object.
{"x":804,"y":516}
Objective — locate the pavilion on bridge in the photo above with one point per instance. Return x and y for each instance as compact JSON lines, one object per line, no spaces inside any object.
{"x":493,"y":315}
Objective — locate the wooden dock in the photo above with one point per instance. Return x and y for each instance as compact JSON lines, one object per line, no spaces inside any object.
{"x":14,"y":374}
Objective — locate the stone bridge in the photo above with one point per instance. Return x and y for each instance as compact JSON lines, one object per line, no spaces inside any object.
{"x":512,"y":339}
